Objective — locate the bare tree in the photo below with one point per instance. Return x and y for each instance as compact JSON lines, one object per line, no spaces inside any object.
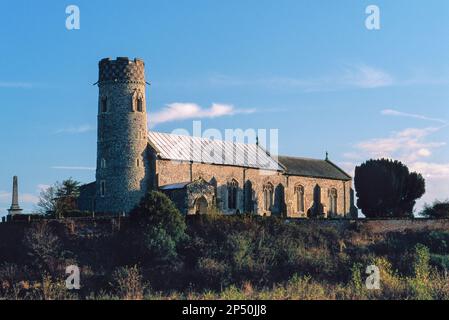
{"x":59,"y":198}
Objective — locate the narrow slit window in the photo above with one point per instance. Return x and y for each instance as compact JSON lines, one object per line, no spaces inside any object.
{"x":102,"y":188}
{"x":139,"y":104}
{"x":104,"y":104}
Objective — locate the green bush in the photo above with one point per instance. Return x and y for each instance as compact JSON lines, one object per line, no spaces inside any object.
{"x":157,"y":228}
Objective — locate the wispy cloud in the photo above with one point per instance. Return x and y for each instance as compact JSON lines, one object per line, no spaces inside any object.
{"x":367,"y":77}
{"x":10,"y":84}
{"x":73,"y":168}
{"x":182,"y":111}
{"x":391,"y":112}
{"x":347,"y":77}
{"x":351,"y":76}
{"x":76,"y":129}
{"x":409,"y":144}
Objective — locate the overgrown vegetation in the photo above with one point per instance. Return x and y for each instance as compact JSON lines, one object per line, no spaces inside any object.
{"x":158,"y":254}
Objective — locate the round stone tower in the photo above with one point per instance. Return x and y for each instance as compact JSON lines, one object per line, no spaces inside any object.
{"x":122,"y":161}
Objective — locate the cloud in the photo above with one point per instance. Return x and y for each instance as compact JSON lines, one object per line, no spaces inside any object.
{"x":182,"y":111}
{"x":6,"y":197}
{"x":351,"y":76}
{"x":409,"y":145}
{"x":8,"y":84}
{"x":76,"y":129}
{"x":367,"y":77}
{"x":73,"y":168}
{"x":391,"y":112}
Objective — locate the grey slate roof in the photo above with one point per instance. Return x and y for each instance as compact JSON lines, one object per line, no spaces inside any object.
{"x":196,"y":149}
{"x":312,"y":168}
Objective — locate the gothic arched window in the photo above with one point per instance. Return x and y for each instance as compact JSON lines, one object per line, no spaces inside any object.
{"x":267,"y":196}
{"x":103,"y":163}
{"x":299,"y":196}
{"x":232,"y":194}
{"x":333,"y":201}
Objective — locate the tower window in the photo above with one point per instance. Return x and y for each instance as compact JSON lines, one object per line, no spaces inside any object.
{"x":139,"y":104}
{"x":138,"y":162}
{"x":102,"y":188}
{"x":104,"y":104}
{"x":103,"y":163}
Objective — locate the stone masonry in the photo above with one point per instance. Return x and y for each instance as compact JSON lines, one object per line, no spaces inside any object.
{"x":122,"y":161}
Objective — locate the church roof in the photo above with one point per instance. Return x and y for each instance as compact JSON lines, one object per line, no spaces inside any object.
{"x":202,"y":150}
{"x":174,"y":186}
{"x":312,"y":168}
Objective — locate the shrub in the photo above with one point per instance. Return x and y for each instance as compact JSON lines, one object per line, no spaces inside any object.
{"x":157,"y":229}
{"x":420,"y":282}
{"x":439,"y":209}
{"x":128,"y":283}
{"x":43,"y":246}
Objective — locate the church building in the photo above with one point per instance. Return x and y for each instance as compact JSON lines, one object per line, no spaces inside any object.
{"x":200,"y":175}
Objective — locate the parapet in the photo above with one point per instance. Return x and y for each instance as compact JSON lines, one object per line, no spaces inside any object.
{"x":122,"y":69}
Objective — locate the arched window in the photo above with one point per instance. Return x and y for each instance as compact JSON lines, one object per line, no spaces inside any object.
{"x":104,"y":104}
{"x":333,"y":201}
{"x":232,"y":194}
{"x":138,"y":162}
{"x":137,"y":101}
{"x":103,"y":163}
{"x":139,"y":104}
{"x":267,"y":196}
{"x":299,"y":196}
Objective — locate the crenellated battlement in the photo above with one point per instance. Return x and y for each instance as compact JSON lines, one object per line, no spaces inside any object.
{"x":122,"y":69}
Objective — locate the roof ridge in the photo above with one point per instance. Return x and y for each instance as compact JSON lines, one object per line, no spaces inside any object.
{"x":300,"y":158}
{"x":202,"y":138}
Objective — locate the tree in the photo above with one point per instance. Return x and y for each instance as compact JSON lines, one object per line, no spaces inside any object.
{"x":160,"y":228}
{"x":59,"y":198}
{"x":439,"y":209}
{"x":386,"y":188}
{"x":47,"y":200}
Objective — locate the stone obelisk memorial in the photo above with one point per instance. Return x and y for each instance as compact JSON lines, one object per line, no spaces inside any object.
{"x":15,"y":208}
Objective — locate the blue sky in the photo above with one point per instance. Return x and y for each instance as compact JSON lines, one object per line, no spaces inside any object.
{"x":308,"y":68}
